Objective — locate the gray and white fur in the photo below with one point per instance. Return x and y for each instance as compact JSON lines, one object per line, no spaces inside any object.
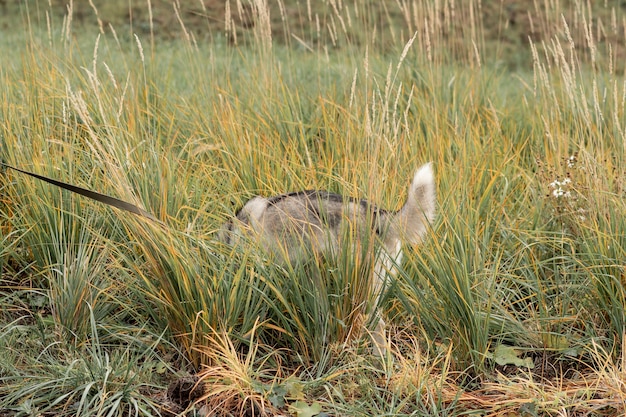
{"x":293,"y":227}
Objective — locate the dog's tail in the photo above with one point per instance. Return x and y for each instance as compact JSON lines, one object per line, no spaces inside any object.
{"x":412,"y":221}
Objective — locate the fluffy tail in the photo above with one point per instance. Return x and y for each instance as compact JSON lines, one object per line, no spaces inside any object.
{"x":419,"y":210}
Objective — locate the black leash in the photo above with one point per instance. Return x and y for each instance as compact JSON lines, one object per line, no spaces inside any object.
{"x":103,"y":198}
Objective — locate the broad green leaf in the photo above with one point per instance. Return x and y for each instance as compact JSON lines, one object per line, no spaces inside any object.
{"x":509,"y":355}
{"x":302,"y":409}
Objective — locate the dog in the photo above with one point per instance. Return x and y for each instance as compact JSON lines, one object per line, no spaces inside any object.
{"x":297,"y":226}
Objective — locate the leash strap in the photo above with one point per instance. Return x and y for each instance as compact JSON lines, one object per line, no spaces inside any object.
{"x":103,"y":198}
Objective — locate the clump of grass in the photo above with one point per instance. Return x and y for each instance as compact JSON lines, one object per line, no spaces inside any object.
{"x":195,"y":293}
{"x":250,"y":382}
{"x":92,"y":379}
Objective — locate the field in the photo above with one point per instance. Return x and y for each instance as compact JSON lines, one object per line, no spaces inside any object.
{"x":514,"y":304}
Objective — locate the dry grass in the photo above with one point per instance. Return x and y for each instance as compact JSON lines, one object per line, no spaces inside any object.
{"x":514,"y":304}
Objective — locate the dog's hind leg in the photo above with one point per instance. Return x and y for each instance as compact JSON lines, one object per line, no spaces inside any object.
{"x":379,"y":339}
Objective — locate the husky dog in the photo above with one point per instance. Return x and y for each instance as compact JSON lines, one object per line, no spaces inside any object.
{"x":296,"y":226}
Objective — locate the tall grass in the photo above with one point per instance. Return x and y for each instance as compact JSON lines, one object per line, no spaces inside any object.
{"x":521,"y":274}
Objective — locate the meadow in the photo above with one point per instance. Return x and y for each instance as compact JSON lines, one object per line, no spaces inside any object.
{"x":514,"y":304}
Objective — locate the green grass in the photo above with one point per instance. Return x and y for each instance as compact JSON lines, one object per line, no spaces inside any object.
{"x":514,"y":303}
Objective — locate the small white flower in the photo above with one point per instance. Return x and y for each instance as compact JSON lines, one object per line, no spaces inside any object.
{"x":558,"y":187}
{"x":571,"y":161}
